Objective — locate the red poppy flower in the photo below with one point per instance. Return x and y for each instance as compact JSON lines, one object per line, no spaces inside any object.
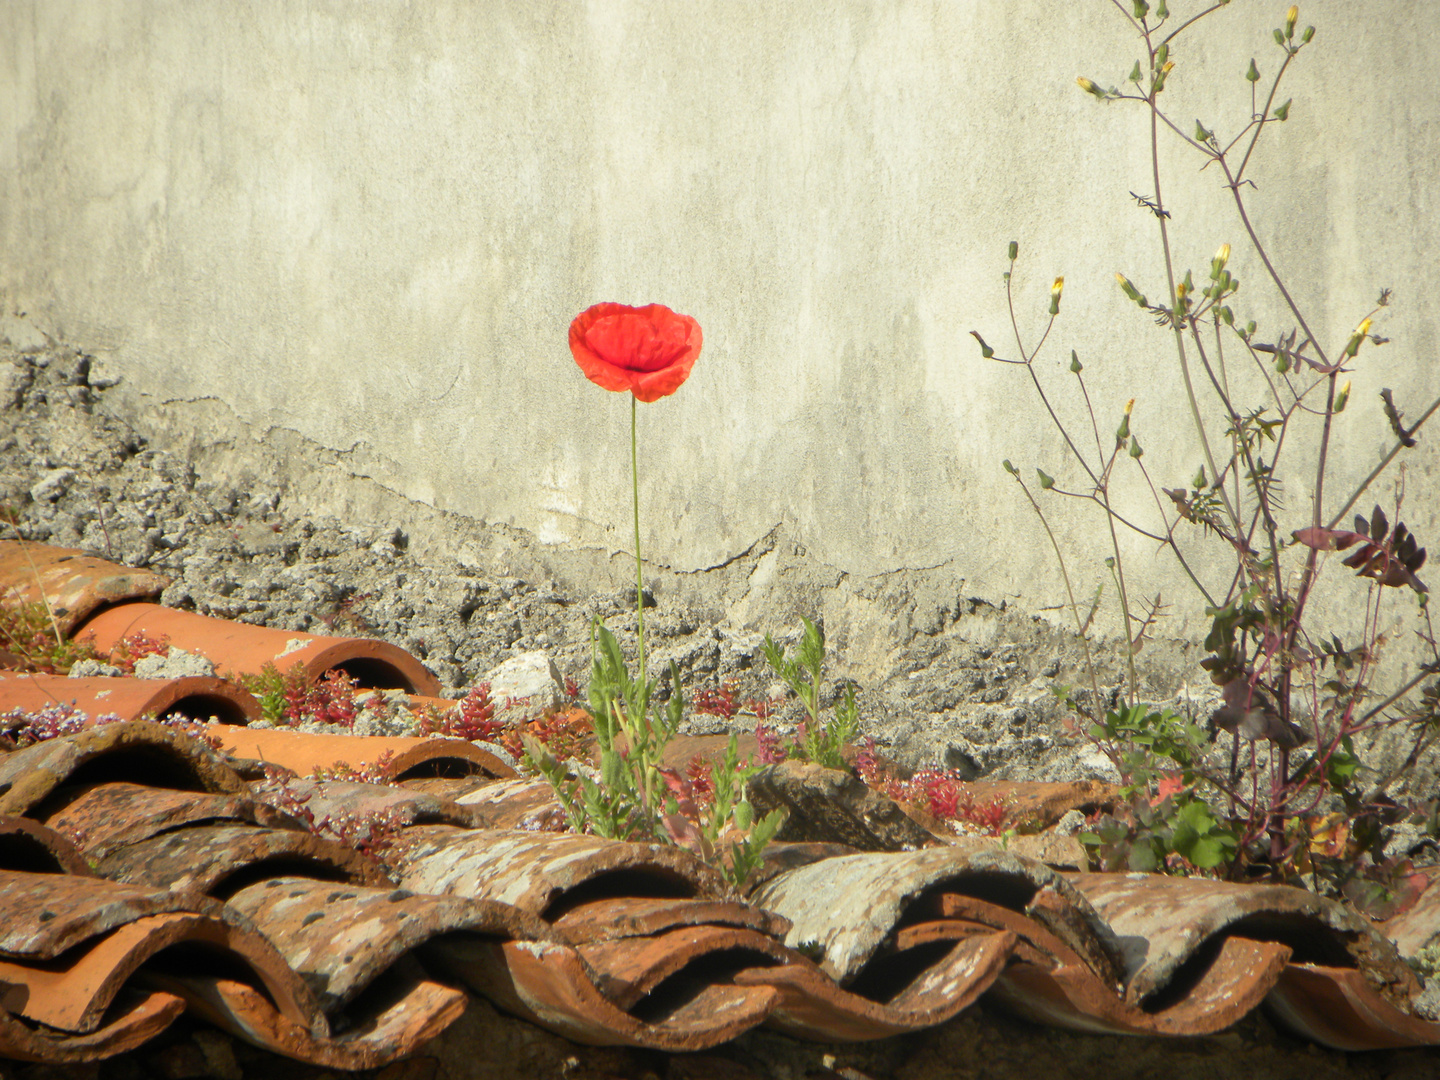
{"x":646,"y":350}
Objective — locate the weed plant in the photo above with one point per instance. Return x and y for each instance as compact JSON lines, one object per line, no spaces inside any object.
{"x":1285,"y":794}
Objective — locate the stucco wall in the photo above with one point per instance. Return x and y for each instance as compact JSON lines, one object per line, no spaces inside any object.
{"x":372,"y":223}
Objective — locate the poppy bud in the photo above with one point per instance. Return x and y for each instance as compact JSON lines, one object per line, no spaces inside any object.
{"x":1008,"y":467}
{"x":1309,"y":33}
{"x":1222,"y":256}
{"x":1075,"y":364}
{"x":1200,"y":483}
{"x":1135,"y":450}
{"x":1046,"y":482}
{"x":1341,"y":397}
{"x":1014,"y":250}
{"x":1135,"y":72}
{"x":985,"y":350}
{"x":1282,"y":112}
{"x":1055,"y":291}
{"x":1254,"y":73}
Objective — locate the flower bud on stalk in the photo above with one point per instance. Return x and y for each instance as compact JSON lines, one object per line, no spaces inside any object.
{"x":1201,"y":135}
{"x":1075,"y":364}
{"x":1161,"y":11}
{"x":1341,"y":397}
{"x":1279,"y":38}
{"x":1309,"y":33}
{"x":1253,"y":75}
{"x":1135,"y":75}
{"x":1141,"y":9}
{"x":1200,"y":483}
{"x":1055,"y":291}
{"x":1222,"y":256}
{"x":1009,"y":468}
{"x":1162,"y":54}
{"x":1046,"y":482}
{"x":1162,"y":75}
{"x":1123,"y":431}
{"x":985,"y":350}
{"x":1290,"y":17}
{"x":1014,"y":250}
{"x":1356,"y":338}
{"x":1135,"y":450}
{"x":1282,"y":112}
{"x":1089,"y":87}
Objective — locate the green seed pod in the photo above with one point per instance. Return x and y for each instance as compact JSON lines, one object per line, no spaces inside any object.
{"x":1254,"y":73}
{"x":1014,"y":249}
{"x":1046,"y":482}
{"x":1308,"y":34}
{"x":1161,"y":11}
{"x":1075,"y":364}
{"x":1227,"y":316}
{"x":1135,"y":450}
{"x":1282,"y":112}
{"x":1279,"y":37}
{"x":744,"y":815}
{"x":1250,"y":328}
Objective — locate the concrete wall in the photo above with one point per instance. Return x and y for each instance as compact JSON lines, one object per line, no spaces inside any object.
{"x":371,"y":224}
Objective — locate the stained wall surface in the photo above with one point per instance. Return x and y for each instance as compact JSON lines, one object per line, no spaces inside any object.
{"x":371,"y":225}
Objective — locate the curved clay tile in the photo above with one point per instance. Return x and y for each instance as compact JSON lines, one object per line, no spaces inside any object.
{"x":32,"y":848}
{"x":136,"y":1017}
{"x":848,"y":907}
{"x":73,"y":584}
{"x":106,"y":817}
{"x":195,"y":697}
{"x":237,"y":648}
{"x":391,"y":758}
{"x":341,"y":938}
{"x":544,"y":873}
{"x":549,"y":984}
{"x":217,"y":859}
{"x":137,"y":751}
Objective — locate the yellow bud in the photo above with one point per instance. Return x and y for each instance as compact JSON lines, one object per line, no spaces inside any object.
{"x":1085,"y":84}
{"x":1363,"y":328}
{"x":1223,"y":254}
{"x":1129,"y":406}
{"x":1060,"y":284}
{"x":1055,"y":295}
{"x":1293,"y":13}
{"x":1169,"y":67}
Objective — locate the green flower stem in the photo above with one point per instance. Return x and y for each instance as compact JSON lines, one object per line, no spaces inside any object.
{"x":639,"y":566}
